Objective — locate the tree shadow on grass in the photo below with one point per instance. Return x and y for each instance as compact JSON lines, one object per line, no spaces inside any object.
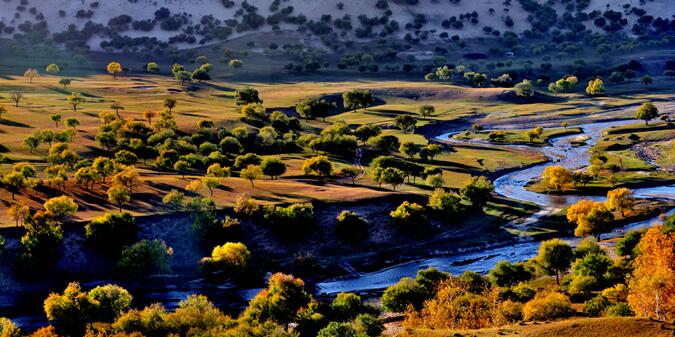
{"x":8,"y":122}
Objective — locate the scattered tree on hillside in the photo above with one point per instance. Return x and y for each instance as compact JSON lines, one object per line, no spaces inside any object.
{"x":595,"y":87}
{"x":524,"y":89}
{"x":251,"y":173}
{"x":646,"y":112}
{"x":119,"y":195}
{"x":16,"y":96}
{"x":52,"y":69}
{"x":170,"y":103}
{"x":117,"y":107}
{"x":31,"y":74}
{"x":565,"y":84}
{"x":65,"y":82}
{"x":152,"y":67}
{"x":319,"y":166}
{"x":75,"y":99}
{"x":246,"y":96}
{"x":114,"y":68}
{"x":426,"y":110}
{"x":357,"y":98}
{"x":314,"y":107}
{"x":406,"y":123}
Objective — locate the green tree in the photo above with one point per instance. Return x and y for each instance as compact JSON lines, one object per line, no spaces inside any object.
{"x":75,"y":99}
{"x":246,"y":96}
{"x":273,"y":167}
{"x":524,"y":89}
{"x":319,"y":166}
{"x":175,"y":199}
{"x":65,"y":82}
{"x":170,"y":103}
{"x":408,"y":215}
{"x":406,"y":292}
{"x":72,"y":122}
{"x":112,"y":231}
{"x":152,"y":67}
{"x":426,"y":110}
{"x":477,"y":190}
{"x":409,"y":149}
{"x":646,"y":112}
{"x":646,"y":80}
{"x":406,"y":123}
{"x":314,"y":107}
{"x":111,"y":300}
{"x":336,"y":329}
{"x":446,"y":202}
{"x":145,"y":257}
{"x":60,"y":207}
{"x":52,"y":69}
{"x":356,"y":99}
{"x":391,"y":176}
{"x":506,"y":274}
{"x":555,"y":256}
{"x":251,"y":173}
{"x":119,"y":195}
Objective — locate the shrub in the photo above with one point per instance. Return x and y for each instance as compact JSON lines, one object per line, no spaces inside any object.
{"x":619,"y":310}
{"x":548,"y":307}
{"x":408,"y":215}
{"x":346,"y":306}
{"x":523,"y":292}
{"x":112,"y":231}
{"x":406,"y":292}
{"x":511,"y":311}
{"x":351,"y":227}
{"x":145,"y":257}
{"x":596,"y":305}
{"x":369,"y":325}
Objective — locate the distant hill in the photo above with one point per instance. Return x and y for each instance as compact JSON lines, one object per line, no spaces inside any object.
{"x":145,"y":24}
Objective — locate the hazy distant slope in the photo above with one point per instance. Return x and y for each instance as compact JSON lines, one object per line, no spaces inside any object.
{"x":13,"y":14}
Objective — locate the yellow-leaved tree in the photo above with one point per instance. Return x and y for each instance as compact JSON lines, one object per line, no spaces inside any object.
{"x":651,"y":287}
{"x":591,"y":218}
{"x":114,"y":68}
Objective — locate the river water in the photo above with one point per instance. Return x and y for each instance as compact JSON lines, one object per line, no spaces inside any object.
{"x":511,"y":185}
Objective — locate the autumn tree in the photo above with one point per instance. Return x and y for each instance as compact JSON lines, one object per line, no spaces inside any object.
{"x":620,"y":199}
{"x":555,"y":256}
{"x":114,"y":68}
{"x":524,"y":89}
{"x":119,"y":195}
{"x":595,"y":87}
{"x":590,"y":217}
{"x":651,"y":286}
{"x":232,"y":257}
{"x":18,"y":212}
{"x":556,"y":177}
{"x":646,"y":112}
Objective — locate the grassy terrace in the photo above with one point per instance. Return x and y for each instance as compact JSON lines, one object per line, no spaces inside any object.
{"x":518,"y":136}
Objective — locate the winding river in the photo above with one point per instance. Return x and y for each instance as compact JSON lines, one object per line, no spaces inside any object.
{"x":511,"y":185}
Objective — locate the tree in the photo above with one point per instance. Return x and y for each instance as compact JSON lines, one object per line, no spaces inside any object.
{"x":284,"y":297}
{"x":595,"y":87}
{"x":52,"y":69}
{"x":336,"y":329}
{"x":406,"y":123}
{"x":408,"y":215}
{"x":547,"y":307}
{"x":620,"y":199}
{"x":175,"y":199}
{"x":254,"y":111}
{"x":646,"y":80}
{"x":556,"y":177}
{"x":75,"y":99}
{"x":477,"y":190}
{"x":71,"y":310}
{"x":111,"y":301}
{"x":112,"y":231}
{"x":565,"y":84}
{"x":103,"y":167}
{"x":247,"y":95}
{"x":8,"y":328}
{"x":232,"y":257}
{"x":392,"y":176}
{"x":445,"y":202}
{"x":170,"y":103}
{"x":16,"y":96}
{"x":365,"y":132}
{"x":211,"y":183}
{"x":319,"y":166}
{"x":18,"y":212}
{"x":409,"y":149}
{"x":565,"y":125}
{"x":60,"y":207}
{"x":56,"y":118}
{"x":251,"y":173}
{"x":314,"y":107}
{"x":506,"y":274}
{"x":114,"y":68}
{"x":646,"y":112}
{"x":117,"y":107}
{"x":72,"y":122}
{"x":148,"y":115}
{"x":65,"y":82}
{"x":235,"y":64}
{"x":399,"y":296}
{"x":555,"y":256}
{"x":591,"y":218}
{"x":426,"y":110}
{"x":273,"y":167}
{"x":651,"y":286}
{"x":152,"y":67}
{"x":31,"y":73}
{"x":524,"y":89}
{"x":119,"y":195}
{"x":356,"y":99}
{"x":430,"y":151}
{"x":145,"y":257}
{"x":183,"y":76}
